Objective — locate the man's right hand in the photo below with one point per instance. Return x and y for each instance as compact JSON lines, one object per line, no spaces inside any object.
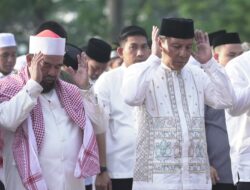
{"x":214,"y":175}
{"x":35,"y":67}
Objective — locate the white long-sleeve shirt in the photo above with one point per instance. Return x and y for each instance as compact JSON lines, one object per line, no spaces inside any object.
{"x":171,"y":147}
{"x":237,"y":117}
{"x":62,"y":139}
{"x":121,"y":132}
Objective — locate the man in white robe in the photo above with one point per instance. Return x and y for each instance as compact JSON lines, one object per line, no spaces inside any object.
{"x":47,"y":123}
{"x":171,"y":149}
{"x":237,"y":120}
{"x":7,"y":53}
{"x":121,"y":131}
{"x":97,"y":50}
{"x":7,"y":62}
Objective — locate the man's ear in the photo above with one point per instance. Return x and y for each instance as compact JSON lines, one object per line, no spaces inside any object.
{"x":160,"y":42}
{"x":216,"y":56}
{"x":120,"y":51}
{"x":28,"y":59}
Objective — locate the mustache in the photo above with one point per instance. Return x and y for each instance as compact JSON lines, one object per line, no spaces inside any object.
{"x":49,"y":78}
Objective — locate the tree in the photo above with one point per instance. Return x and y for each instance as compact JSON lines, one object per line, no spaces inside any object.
{"x":87,"y":18}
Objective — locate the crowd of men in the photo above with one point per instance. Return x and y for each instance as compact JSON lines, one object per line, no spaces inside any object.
{"x":172,"y":115}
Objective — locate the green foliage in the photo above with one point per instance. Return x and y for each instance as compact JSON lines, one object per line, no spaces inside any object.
{"x":87,"y":18}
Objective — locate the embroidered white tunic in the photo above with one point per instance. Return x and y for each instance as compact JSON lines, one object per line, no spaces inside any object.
{"x":171,"y":149}
{"x":237,"y":118}
{"x":62,"y":139}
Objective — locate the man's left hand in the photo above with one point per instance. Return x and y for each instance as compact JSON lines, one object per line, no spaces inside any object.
{"x":80,"y":76}
{"x":103,"y":182}
{"x":203,"y":53}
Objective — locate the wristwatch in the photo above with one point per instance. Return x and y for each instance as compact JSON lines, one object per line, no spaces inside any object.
{"x":103,"y":169}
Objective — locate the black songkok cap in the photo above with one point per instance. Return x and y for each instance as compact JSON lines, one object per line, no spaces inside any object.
{"x":213,"y":35}
{"x":98,"y":50}
{"x":70,"y":56}
{"x":177,"y":28}
{"x":227,"y":38}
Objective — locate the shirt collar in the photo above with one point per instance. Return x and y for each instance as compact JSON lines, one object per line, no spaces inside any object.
{"x":165,"y":67}
{"x":1,"y":75}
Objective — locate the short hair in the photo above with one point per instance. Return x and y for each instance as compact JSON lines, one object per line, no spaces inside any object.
{"x":70,"y":56}
{"x":53,"y":26}
{"x":132,"y":30}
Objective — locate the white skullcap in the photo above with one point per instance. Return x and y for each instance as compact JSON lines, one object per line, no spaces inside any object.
{"x":7,"y":40}
{"x":47,"y":42}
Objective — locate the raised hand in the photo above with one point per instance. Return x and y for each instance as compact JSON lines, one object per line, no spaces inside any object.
{"x":35,"y":65}
{"x":155,"y":48}
{"x":203,"y":53}
{"x":81,"y":75}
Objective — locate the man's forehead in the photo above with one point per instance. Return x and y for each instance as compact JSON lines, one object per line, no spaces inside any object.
{"x":179,"y":40}
{"x":53,"y":58}
{"x":136,"y":39}
{"x":8,"y":49}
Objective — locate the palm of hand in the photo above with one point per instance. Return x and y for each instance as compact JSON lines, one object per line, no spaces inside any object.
{"x":80,"y":76}
{"x":203,"y":53}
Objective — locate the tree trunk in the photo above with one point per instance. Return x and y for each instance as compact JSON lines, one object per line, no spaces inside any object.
{"x":115,"y":17}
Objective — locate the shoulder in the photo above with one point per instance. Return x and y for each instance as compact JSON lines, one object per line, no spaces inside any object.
{"x":110,"y":76}
{"x":240,"y":61}
{"x":193,"y":68}
{"x":68,"y":86}
{"x":11,"y":85}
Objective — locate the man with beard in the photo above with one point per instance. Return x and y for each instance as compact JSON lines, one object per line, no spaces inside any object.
{"x":48,"y":123}
{"x":121,"y":131}
{"x":170,"y":94}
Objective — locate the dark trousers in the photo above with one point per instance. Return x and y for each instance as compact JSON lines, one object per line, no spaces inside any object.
{"x":122,"y":184}
{"x":1,"y":186}
{"x":243,"y":186}
{"x":224,"y":186}
{"x":88,"y":187}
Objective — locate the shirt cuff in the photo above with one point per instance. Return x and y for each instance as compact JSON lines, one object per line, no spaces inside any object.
{"x":33,"y":88}
{"x":89,"y":95}
{"x":212,"y":65}
{"x":154,"y":58}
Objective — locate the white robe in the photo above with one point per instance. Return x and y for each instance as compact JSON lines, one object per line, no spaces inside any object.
{"x":62,"y":139}
{"x":237,"y":118}
{"x":171,"y":149}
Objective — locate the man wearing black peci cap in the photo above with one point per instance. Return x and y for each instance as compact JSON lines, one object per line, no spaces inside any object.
{"x":226,"y":47}
{"x":97,"y":57}
{"x":98,"y":54}
{"x":71,"y":60}
{"x":214,"y":34}
{"x":170,"y":94}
